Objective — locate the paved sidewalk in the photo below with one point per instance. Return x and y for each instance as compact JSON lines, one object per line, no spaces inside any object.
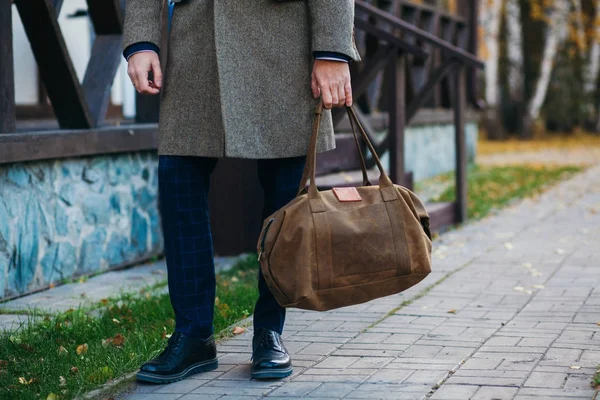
{"x":512,"y":311}
{"x":582,"y":156}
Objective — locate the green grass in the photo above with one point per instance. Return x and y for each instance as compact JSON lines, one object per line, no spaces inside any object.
{"x":596,"y":379}
{"x":41,"y":361}
{"x":491,"y":188}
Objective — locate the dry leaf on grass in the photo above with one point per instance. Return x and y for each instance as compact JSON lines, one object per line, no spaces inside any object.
{"x":116,"y":321}
{"x":52,"y":396}
{"x":62,"y":351}
{"x":234,"y":279}
{"x":62,"y":380}
{"x":24,"y":381}
{"x":74,"y":370}
{"x":82,"y":349}
{"x":3,"y":363}
{"x":238,"y":330}
{"x":116,"y":341}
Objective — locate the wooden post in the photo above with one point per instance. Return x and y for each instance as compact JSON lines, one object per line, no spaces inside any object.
{"x":7,"y":76}
{"x":397,"y":112}
{"x":473,"y":48}
{"x":459,"y":104}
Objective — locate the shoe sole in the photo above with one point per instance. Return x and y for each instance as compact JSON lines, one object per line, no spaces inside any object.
{"x":197,"y":368}
{"x":272,"y":373}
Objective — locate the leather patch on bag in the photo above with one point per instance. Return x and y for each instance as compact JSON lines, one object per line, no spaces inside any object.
{"x":347,"y":194}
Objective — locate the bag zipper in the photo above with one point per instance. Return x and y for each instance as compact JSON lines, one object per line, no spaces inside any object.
{"x":264,"y":237}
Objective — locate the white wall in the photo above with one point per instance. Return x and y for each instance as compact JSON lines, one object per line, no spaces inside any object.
{"x":26,"y":82}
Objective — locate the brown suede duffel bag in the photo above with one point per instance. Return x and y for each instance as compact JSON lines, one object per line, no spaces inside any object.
{"x":346,"y":246}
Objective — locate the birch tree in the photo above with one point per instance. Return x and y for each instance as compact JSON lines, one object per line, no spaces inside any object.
{"x":514,"y":49}
{"x":556,"y":33}
{"x":593,"y":69}
{"x":490,"y":22}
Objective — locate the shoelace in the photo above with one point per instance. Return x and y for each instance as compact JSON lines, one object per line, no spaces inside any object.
{"x":269,"y":340}
{"x":169,"y":354}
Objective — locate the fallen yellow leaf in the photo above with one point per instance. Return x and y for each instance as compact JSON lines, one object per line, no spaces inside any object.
{"x":116,"y":321}
{"x":62,"y":380}
{"x":519,"y":288}
{"x":575,"y":367}
{"x":452,"y":311}
{"x":508,"y":246}
{"x":234,"y":279}
{"x":82,"y":349}
{"x":52,"y":396}
{"x":238,"y":330}
{"x":538,"y":286}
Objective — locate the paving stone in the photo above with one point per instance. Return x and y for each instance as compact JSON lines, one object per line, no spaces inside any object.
{"x":454,"y":392}
{"x":389,"y":376}
{"x":494,"y":393}
{"x":295,"y":389}
{"x":182,"y":387}
{"x":333,"y":390}
{"x":546,"y":380}
{"x":336,"y":362}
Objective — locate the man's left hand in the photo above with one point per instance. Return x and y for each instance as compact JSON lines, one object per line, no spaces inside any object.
{"x":331,"y":82}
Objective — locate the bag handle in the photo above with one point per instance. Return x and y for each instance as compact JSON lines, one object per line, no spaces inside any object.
{"x":311,"y":160}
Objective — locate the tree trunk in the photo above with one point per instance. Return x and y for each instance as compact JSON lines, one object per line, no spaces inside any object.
{"x":490,"y":21}
{"x":593,"y":71}
{"x":556,"y":34}
{"x":579,"y":25}
{"x":514,"y":49}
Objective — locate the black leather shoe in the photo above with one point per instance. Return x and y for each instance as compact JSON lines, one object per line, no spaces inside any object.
{"x":184,"y":356}
{"x":270,"y":359}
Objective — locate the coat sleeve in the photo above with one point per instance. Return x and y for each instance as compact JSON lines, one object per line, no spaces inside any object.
{"x":142,"y":22}
{"x":333,"y":26}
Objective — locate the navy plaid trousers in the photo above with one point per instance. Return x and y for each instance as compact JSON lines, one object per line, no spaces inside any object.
{"x":183,"y":186}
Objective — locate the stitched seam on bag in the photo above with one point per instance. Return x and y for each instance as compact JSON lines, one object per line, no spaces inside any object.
{"x":372,"y":283}
{"x":269,"y":257}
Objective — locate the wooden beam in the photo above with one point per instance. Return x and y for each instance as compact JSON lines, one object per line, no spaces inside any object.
{"x":54,"y":62}
{"x":396,"y":22}
{"x":459,"y":101}
{"x":397,"y":110}
{"x":57,"y":4}
{"x":391,"y":39}
{"x":107,"y":16}
{"x":28,"y":146}
{"x":100,"y":73}
{"x":427,"y":91}
{"x":7,"y":76}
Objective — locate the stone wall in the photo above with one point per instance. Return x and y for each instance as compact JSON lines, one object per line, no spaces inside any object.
{"x":65,"y":218}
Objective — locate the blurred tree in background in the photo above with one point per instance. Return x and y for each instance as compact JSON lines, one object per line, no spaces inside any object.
{"x":542,"y":65}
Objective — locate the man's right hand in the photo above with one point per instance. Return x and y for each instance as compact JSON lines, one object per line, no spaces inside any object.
{"x":140,"y":64}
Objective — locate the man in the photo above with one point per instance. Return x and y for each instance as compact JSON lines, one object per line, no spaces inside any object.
{"x":238,"y":83}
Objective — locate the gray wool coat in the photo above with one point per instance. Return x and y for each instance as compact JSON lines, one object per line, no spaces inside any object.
{"x":237,"y":80}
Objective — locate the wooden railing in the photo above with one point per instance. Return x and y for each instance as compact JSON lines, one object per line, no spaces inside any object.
{"x":414,"y":56}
